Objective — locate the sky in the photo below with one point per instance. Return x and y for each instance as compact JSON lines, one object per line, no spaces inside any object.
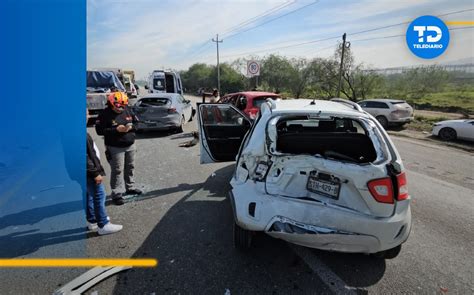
{"x":144,"y":35}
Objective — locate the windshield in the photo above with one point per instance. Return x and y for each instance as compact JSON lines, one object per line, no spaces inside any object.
{"x":257,"y":101}
{"x":154,"y":101}
{"x":342,"y":139}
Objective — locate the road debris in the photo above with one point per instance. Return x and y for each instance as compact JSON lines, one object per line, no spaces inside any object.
{"x":88,"y":279}
{"x":192,"y":142}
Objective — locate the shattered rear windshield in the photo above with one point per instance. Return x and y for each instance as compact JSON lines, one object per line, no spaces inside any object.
{"x":341,"y":139}
{"x":154,"y":101}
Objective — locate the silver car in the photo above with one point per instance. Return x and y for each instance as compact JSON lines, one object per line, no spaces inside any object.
{"x":163,"y":111}
{"x":388,"y":111}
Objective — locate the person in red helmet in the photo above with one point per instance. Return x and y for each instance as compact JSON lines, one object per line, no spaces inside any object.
{"x":116,"y":123}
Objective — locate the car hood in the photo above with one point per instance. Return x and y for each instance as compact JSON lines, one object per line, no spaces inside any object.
{"x":450,"y":122}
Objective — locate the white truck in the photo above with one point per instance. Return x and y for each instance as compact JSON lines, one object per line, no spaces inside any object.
{"x":99,"y":85}
{"x":161,"y":81}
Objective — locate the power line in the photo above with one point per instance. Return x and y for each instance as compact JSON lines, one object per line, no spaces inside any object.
{"x":201,"y":48}
{"x":255,"y":18}
{"x":336,"y":37}
{"x":403,"y":35}
{"x":271,"y":20}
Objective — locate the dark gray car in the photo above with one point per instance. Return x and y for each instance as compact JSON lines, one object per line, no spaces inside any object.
{"x":163,"y":111}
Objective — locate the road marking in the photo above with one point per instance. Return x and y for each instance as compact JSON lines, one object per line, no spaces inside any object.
{"x":333,"y":281}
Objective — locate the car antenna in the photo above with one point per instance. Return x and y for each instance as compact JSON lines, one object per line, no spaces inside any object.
{"x":313,"y":102}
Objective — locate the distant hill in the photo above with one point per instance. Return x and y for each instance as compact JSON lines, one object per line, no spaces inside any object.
{"x":461,"y":61}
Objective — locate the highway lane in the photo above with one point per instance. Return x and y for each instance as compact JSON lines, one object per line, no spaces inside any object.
{"x":185,"y":221}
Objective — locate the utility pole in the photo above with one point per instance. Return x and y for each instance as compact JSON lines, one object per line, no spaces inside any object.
{"x":342,"y":63}
{"x":218,"y":67}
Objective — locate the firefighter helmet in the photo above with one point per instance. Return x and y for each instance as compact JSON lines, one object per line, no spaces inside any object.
{"x":118,"y":99}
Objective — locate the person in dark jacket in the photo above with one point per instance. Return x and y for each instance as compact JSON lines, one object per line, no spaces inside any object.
{"x":115,"y":123}
{"x":95,"y":202}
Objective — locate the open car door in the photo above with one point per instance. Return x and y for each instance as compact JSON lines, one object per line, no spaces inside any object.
{"x":222,"y":128}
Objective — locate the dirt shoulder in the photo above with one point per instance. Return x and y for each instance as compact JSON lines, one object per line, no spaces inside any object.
{"x":426,"y":136}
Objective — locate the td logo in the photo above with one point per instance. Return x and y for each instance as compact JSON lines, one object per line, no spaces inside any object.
{"x":427,"y":37}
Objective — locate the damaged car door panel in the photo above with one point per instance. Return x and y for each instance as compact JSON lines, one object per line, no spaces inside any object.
{"x":315,"y":173}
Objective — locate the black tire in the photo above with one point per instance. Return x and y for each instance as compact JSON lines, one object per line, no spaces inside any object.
{"x":181,"y":127}
{"x":242,"y":238}
{"x":448,"y":134}
{"x":383,"y":121}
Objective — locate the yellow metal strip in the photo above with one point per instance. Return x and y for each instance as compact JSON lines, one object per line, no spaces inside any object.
{"x":460,"y":23}
{"x":78,"y":262}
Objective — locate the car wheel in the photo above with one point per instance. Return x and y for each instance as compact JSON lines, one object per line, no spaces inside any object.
{"x":390,"y":253}
{"x":383,"y":121}
{"x":242,"y":238}
{"x":181,"y":127}
{"x":447,"y":134}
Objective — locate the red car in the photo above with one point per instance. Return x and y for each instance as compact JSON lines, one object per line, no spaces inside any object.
{"x":248,"y":102}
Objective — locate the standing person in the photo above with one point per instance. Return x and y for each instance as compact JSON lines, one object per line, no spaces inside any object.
{"x":96,"y":216}
{"x":214,"y":96}
{"x":115,"y":122}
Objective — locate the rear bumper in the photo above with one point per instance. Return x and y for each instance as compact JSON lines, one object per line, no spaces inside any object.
{"x":317,"y":225}
{"x":402,"y":120}
{"x":165,"y":123}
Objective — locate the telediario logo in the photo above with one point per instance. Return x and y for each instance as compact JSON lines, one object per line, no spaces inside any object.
{"x":427,"y":37}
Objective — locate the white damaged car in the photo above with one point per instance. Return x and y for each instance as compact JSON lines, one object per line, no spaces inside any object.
{"x":322,"y":174}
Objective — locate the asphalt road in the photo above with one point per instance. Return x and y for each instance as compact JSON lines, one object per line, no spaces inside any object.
{"x":185,"y":221}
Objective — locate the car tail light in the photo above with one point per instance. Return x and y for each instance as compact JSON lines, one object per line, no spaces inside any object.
{"x":260,"y":171}
{"x":402,"y":187}
{"x":172,"y":111}
{"x":396,"y":113}
{"x":382,"y":190}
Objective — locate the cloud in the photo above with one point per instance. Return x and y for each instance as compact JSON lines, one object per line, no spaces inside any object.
{"x":145,"y":35}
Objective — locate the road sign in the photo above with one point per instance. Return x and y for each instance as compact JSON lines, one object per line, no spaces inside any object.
{"x":253,"y":68}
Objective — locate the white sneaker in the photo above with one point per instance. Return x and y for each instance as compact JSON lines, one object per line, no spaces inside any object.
{"x":110,"y":228}
{"x":93,"y":226}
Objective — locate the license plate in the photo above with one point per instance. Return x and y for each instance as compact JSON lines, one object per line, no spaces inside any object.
{"x":327,"y":188}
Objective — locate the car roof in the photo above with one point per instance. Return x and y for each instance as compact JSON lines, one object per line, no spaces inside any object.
{"x":160,"y":95}
{"x":304,"y":106}
{"x":384,"y":100}
{"x":252,"y":94}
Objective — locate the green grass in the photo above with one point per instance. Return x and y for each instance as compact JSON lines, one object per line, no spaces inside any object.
{"x":459,"y":99}
{"x":424,"y":123}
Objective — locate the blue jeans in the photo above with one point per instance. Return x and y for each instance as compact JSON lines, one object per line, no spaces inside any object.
{"x":95,"y":207}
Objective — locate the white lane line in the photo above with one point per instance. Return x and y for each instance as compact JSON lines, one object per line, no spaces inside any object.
{"x":333,"y":281}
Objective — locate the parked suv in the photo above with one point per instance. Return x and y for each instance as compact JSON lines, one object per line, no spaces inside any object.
{"x":322,"y":174}
{"x":248,"y":102}
{"x":388,"y":111}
